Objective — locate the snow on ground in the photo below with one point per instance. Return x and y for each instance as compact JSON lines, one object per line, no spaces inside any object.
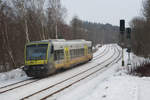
{"x":18,"y":74}
{"x":13,"y":76}
{"x":112,"y":84}
{"x":43,"y":83}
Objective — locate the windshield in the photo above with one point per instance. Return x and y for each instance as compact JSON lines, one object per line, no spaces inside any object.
{"x":36,"y":52}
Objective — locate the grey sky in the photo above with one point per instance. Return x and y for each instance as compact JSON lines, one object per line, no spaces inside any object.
{"x":103,"y":11}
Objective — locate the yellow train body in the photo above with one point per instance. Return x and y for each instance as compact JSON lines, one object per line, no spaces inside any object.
{"x":73,"y":62}
{"x":45,"y":57}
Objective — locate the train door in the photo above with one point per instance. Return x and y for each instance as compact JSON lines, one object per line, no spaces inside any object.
{"x":67,"y":57}
{"x":85,"y":50}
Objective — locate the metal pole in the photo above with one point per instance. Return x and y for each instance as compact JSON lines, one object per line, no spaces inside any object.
{"x":129,"y":59}
{"x":128,"y":30}
{"x":122,"y":31}
{"x":122,"y":45}
{"x":122,"y":57}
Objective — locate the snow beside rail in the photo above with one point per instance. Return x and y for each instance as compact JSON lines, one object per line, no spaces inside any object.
{"x":19,"y":73}
{"x":113,"y":84}
{"x":13,"y":76}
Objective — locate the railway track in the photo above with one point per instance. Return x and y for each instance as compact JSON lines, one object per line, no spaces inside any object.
{"x":106,"y":50}
{"x":16,"y":85}
{"x":101,"y":52}
{"x":62,"y":85}
{"x":30,"y":81}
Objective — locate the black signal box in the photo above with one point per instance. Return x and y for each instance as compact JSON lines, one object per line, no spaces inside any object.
{"x":128,"y":31}
{"x":122,"y":26}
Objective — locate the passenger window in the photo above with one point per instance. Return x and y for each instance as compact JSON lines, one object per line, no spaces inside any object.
{"x":89,"y":50}
{"x":52,"y":49}
{"x":59,"y":54}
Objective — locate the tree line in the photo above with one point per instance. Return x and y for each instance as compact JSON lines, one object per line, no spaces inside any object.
{"x":22,"y":21}
{"x":101,"y":33}
{"x":141,"y":32}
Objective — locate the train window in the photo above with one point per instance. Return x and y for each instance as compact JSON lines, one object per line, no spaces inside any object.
{"x":52,"y":49}
{"x":89,"y":50}
{"x":76,"y":53}
{"x":55,"y":55}
{"x":71,"y":54}
{"x":36,"y":52}
{"x":82,"y":52}
{"x":59,"y":54}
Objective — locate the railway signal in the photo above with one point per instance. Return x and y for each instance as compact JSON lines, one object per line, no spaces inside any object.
{"x":122,"y":31}
{"x":128,"y":31}
{"x":122,"y":26}
{"x":128,"y":36}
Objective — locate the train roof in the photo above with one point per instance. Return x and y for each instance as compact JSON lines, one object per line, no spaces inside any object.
{"x":61,"y":43}
{"x":72,"y":44}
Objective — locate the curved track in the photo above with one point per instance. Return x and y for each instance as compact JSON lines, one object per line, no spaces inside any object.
{"x":102,"y":51}
{"x":106,"y":50}
{"x":16,"y":85}
{"x":60,"y":86}
{"x":30,"y":81}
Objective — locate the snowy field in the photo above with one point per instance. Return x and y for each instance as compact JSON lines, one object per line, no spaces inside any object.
{"x":111,"y":84}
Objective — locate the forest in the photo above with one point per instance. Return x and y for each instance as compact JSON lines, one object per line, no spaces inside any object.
{"x":140,"y":36}
{"x":22,"y":21}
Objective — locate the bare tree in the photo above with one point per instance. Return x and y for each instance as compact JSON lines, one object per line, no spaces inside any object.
{"x":22,"y":21}
{"x":78,"y":31}
{"x":6,"y":50}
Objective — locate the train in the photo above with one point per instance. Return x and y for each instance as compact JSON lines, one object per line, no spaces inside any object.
{"x":45,"y":57}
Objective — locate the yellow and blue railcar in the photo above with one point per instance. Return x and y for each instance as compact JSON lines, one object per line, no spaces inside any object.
{"x":43,"y":58}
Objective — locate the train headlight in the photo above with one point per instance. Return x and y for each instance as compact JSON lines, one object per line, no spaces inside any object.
{"x":25,"y":68}
{"x":42,"y":67}
{"x":33,"y":68}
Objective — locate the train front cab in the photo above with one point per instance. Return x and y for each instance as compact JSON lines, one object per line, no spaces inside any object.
{"x":39,"y":59}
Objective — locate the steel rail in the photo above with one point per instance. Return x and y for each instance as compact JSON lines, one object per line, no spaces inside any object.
{"x":78,"y":80}
{"x":81,"y":78}
{"x":67,"y":79}
{"x":15,"y":85}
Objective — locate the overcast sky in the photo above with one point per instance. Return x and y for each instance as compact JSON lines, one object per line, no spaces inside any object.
{"x":103,"y":11}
